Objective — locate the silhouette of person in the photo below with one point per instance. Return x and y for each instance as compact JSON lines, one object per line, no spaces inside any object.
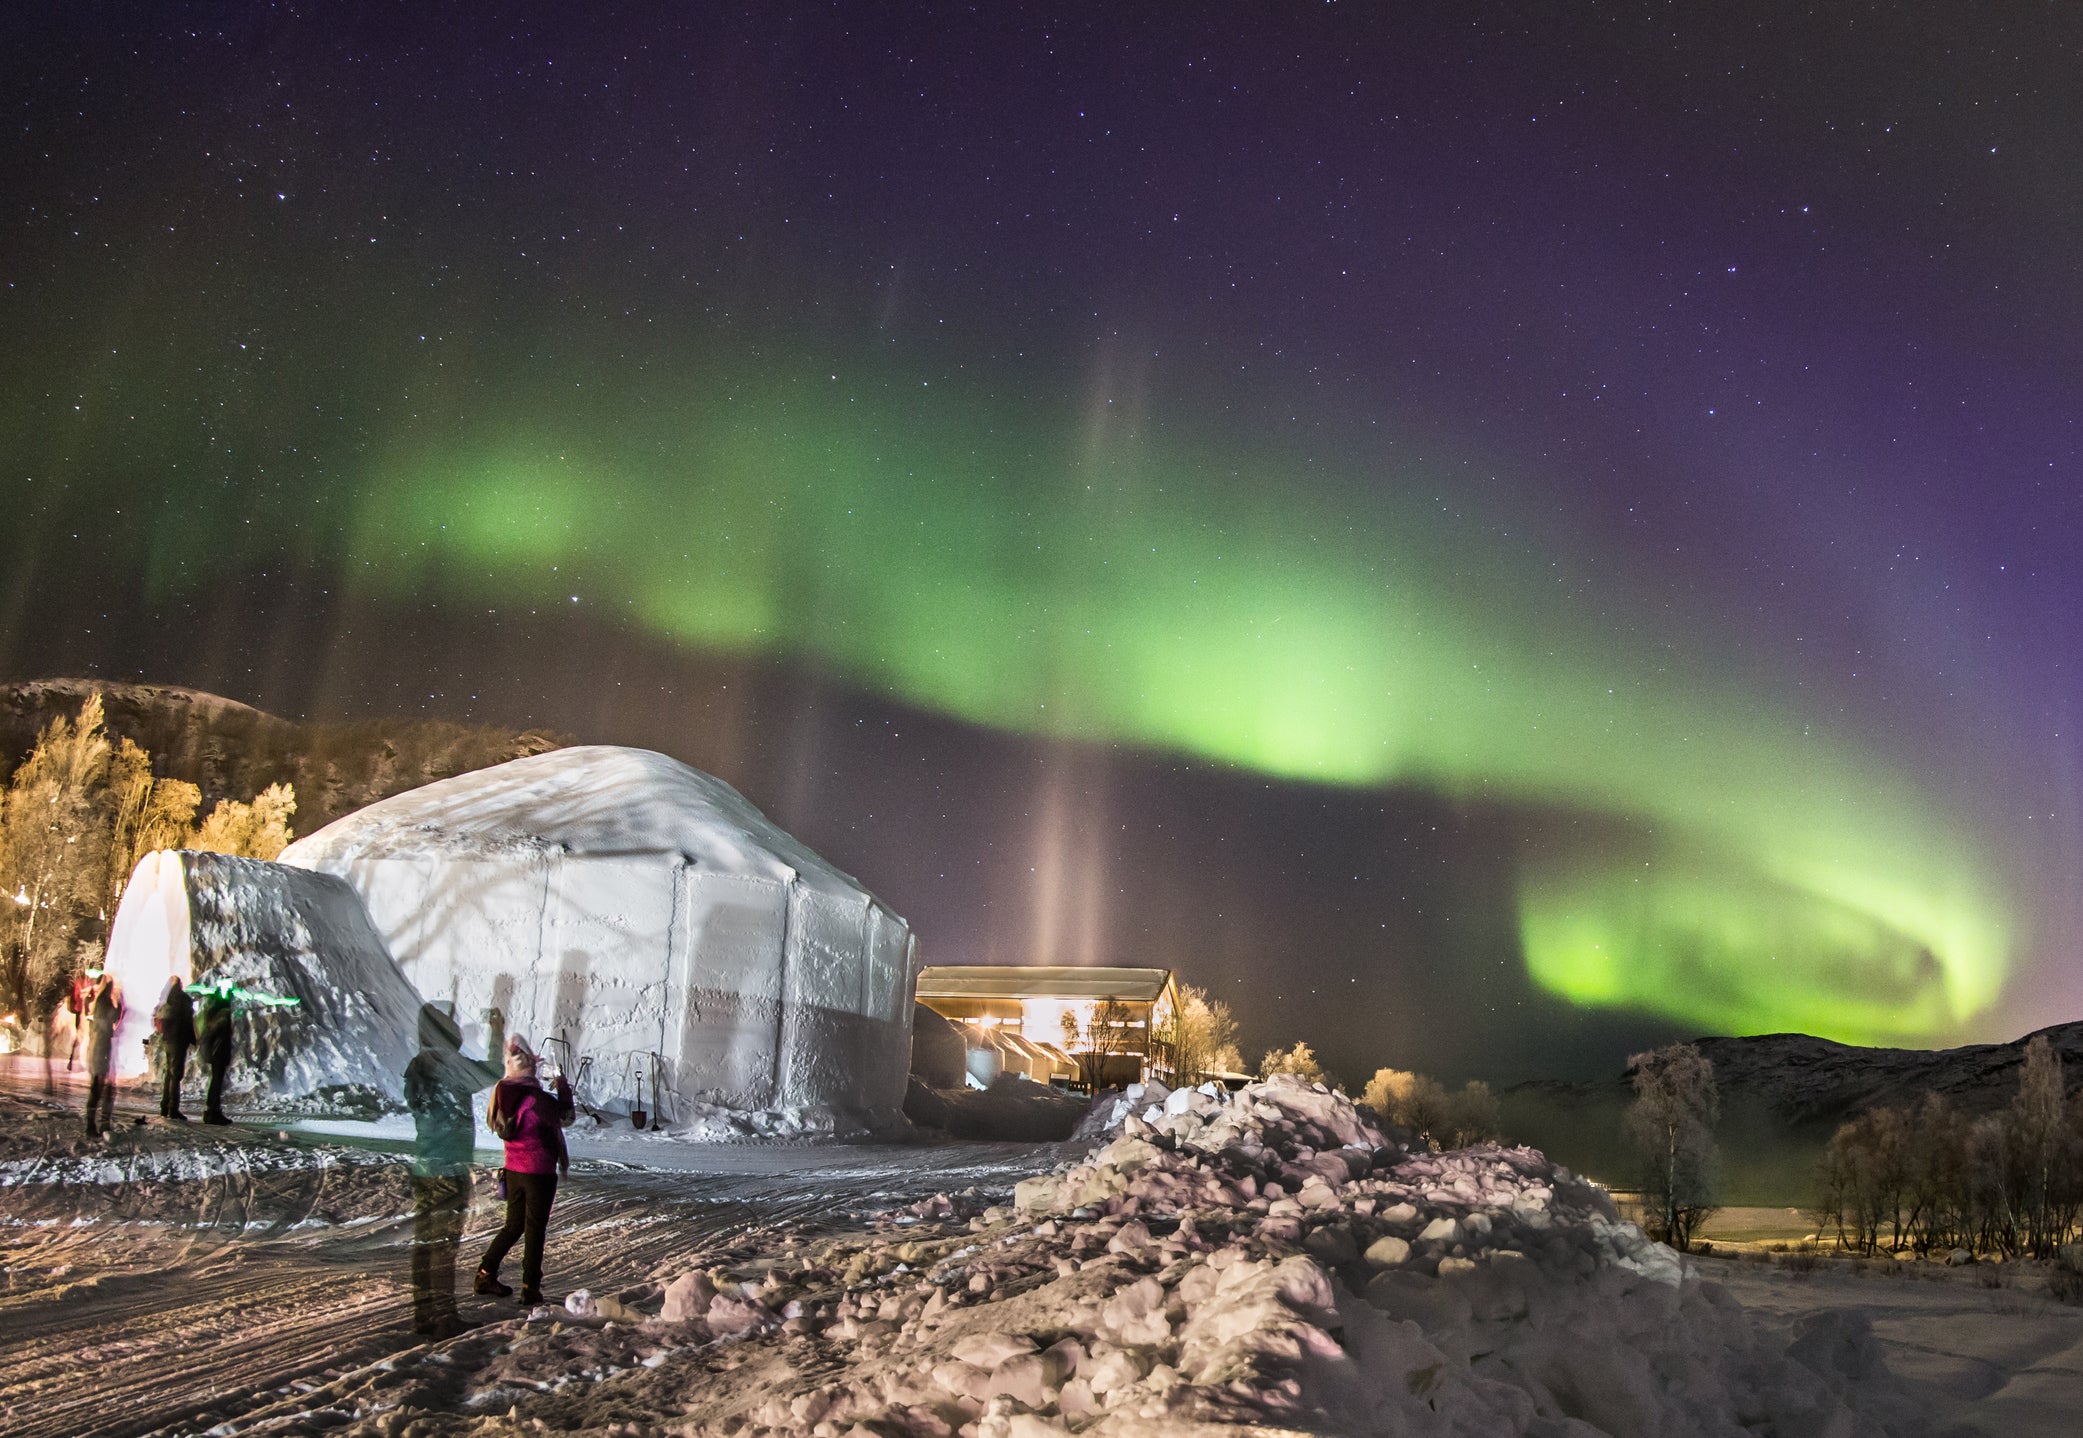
{"x":439,"y":1083}
{"x":216,"y":1046}
{"x":104,"y":1007}
{"x":174,"y":1023}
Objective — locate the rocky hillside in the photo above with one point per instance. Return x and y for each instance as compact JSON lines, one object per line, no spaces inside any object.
{"x":1782,"y":1095}
{"x":1803,"y":1080}
{"x":233,"y":751}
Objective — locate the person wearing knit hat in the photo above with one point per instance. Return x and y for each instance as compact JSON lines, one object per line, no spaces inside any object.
{"x":530,"y":1120}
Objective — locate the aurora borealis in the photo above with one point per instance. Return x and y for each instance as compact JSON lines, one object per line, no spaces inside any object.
{"x":1465,"y":529}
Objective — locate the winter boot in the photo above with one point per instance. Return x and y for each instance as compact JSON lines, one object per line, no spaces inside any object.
{"x":491,"y":1287}
{"x":531,"y":1297}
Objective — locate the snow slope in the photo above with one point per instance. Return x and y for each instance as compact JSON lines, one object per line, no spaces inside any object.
{"x":274,"y":930}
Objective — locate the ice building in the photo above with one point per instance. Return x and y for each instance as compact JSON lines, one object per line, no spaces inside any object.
{"x":276,"y":931}
{"x":627,"y":912}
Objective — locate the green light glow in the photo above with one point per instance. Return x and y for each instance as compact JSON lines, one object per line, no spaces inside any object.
{"x":1196,"y":599}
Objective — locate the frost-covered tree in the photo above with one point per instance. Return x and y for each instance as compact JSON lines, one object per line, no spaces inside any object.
{"x":259,"y":830}
{"x":1422,"y":1104}
{"x":1300,"y":1060}
{"x":54,"y":855}
{"x":149,"y":813}
{"x":1409,"y":1100}
{"x":1671,"y":1126}
{"x":1202,"y":1034}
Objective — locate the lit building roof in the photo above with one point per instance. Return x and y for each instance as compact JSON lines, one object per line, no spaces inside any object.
{"x":1040,"y":981}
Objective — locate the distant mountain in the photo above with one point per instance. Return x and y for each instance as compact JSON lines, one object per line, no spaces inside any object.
{"x":1803,"y":1080}
{"x":1782,"y":1096}
{"x":233,"y":751}
{"x":1800,"y":1080}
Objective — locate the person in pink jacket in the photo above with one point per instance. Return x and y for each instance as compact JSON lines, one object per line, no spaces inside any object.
{"x":531,"y":1120}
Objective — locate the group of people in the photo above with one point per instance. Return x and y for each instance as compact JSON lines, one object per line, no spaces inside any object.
{"x":529,"y":1120}
{"x":440,"y":1086}
{"x":176,"y":1030}
{"x":96,"y":1005}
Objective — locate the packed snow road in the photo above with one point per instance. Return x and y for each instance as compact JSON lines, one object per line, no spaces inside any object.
{"x":174,"y":1278}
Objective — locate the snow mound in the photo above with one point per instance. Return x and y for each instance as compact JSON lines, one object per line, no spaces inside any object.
{"x":1268,"y":1260}
{"x":273,"y":930}
{"x":593,"y":800}
{"x":1260,"y":1262}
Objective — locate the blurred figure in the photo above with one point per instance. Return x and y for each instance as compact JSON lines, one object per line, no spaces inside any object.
{"x":104,"y":1007}
{"x":77,"y":998}
{"x":439,"y":1083}
{"x":173,"y":1023}
{"x":215,"y":1038}
{"x":531,"y":1122}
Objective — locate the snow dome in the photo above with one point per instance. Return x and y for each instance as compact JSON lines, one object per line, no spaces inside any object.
{"x":617,"y":906}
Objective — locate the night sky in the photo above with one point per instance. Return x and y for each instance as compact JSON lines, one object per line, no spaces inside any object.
{"x":1484,"y":535}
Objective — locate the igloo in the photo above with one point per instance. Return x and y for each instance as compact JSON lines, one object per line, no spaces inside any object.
{"x":284,"y":932}
{"x":623,"y":910}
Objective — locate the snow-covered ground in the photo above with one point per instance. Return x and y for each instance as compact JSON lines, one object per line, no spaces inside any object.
{"x":1258,"y":1264}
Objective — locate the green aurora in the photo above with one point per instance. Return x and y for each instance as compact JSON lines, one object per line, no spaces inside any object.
{"x":1086,"y":581}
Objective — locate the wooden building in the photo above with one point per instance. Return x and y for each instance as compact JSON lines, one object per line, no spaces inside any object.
{"x":1103,"y":1025}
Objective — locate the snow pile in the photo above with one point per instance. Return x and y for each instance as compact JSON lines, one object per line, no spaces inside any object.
{"x":273,"y":930}
{"x":1262,"y":1260}
{"x":617,"y":906}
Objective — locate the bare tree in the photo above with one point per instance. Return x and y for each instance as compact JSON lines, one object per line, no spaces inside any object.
{"x":1472,"y":1115}
{"x":1671,"y":1124}
{"x":2036,"y":1121}
{"x":1104,"y":1034}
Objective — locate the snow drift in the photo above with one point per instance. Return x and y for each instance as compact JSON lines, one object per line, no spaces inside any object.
{"x":1263,"y":1261}
{"x":624,"y":908}
{"x":276,"y":930}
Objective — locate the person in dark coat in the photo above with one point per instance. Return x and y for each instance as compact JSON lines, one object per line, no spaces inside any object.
{"x":104,"y":1010}
{"x":531,"y":1121}
{"x":215,"y":1041}
{"x":174,"y":1022}
{"x":439,"y":1083}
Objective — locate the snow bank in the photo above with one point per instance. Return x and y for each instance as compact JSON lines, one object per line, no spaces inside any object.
{"x":275,"y":930}
{"x":1263,"y":1258}
{"x":617,"y":905}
